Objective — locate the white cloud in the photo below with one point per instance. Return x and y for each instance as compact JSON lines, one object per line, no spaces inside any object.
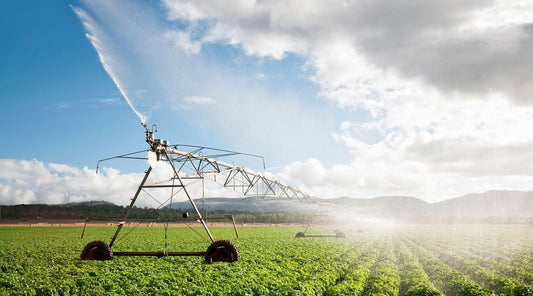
{"x":447,"y":86}
{"x":475,"y":47}
{"x":311,"y":172}
{"x":32,"y":181}
{"x":109,"y":101}
{"x":184,"y":41}
{"x":36,"y":182}
{"x":195,"y":100}
{"x":434,"y":150}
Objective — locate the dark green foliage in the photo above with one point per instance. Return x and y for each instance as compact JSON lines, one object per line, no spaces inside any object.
{"x":422,"y":290}
{"x":105,"y":210}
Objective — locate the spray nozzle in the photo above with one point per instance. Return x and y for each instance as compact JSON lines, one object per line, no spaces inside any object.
{"x":150,"y":134}
{"x":154,"y":128}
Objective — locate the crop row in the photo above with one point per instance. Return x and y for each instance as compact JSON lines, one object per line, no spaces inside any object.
{"x":494,"y":260}
{"x":414,"y":280}
{"x":448,"y":280}
{"x":492,"y":278}
{"x":402,"y":261}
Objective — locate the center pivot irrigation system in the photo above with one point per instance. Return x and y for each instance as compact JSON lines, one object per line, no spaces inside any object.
{"x":186,"y":169}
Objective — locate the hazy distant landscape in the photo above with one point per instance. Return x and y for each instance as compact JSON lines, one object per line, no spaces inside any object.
{"x":487,"y":207}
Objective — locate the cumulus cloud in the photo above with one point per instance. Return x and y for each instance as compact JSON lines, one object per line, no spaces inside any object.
{"x":473,"y":156}
{"x":444,"y":43}
{"x":446,"y":83}
{"x":434,"y":151}
{"x":474,"y":47}
{"x":32,"y":181}
{"x":36,"y":182}
{"x":444,"y":86}
{"x":311,"y":172}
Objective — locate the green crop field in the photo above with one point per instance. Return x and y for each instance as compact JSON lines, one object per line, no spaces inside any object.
{"x":421,"y":260}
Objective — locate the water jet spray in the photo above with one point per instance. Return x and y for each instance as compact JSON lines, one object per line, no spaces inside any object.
{"x":105,"y":59}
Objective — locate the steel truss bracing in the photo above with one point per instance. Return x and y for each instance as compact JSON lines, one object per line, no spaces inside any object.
{"x":194,"y":168}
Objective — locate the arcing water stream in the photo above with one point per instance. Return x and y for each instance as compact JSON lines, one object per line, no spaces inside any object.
{"x":107,"y":67}
{"x":88,"y":23}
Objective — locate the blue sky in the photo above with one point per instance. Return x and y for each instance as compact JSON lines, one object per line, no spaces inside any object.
{"x":53,"y":88}
{"x":59,"y":99}
{"x":342,"y":98}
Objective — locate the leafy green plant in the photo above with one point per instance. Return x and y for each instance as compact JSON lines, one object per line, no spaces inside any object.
{"x":403,"y":261}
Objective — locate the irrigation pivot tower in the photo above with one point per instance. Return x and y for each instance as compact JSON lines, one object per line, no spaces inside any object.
{"x":186,"y":169}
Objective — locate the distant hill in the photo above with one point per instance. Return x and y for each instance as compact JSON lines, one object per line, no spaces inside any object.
{"x":247,"y":204}
{"x":497,"y":206}
{"x":497,"y":203}
{"x":92,"y":203}
{"x":383,"y":205}
{"x":491,"y":206}
{"x":488,"y":207}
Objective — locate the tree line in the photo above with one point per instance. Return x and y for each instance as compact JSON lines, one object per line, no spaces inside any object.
{"x":112,"y":212}
{"x":105,"y":210}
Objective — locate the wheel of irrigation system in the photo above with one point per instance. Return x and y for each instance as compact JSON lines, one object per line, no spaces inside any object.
{"x":300,"y":234}
{"x":340,"y":234}
{"x":222,"y":251}
{"x":97,"y":250}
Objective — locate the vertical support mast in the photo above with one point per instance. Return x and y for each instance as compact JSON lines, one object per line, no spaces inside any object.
{"x":121,"y":223}
{"x":159,"y":146}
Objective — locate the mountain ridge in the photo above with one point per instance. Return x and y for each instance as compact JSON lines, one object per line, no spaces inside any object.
{"x":507,"y":206}
{"x":494,"y":203}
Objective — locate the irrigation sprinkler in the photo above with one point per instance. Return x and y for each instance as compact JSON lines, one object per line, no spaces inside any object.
{"x":186,"y":169}
{"x":338,"y":234}
{"x":301,"y":234}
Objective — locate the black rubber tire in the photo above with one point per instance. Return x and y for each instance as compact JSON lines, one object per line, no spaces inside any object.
{"x":97,"y":250}
{"x":222,"y":251}
{"x":300,"y":234}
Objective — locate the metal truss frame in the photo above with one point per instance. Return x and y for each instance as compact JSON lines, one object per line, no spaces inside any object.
{"x":188,"y":168}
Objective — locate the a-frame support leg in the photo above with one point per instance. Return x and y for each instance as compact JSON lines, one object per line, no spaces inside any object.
{"x":121,"y":223}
